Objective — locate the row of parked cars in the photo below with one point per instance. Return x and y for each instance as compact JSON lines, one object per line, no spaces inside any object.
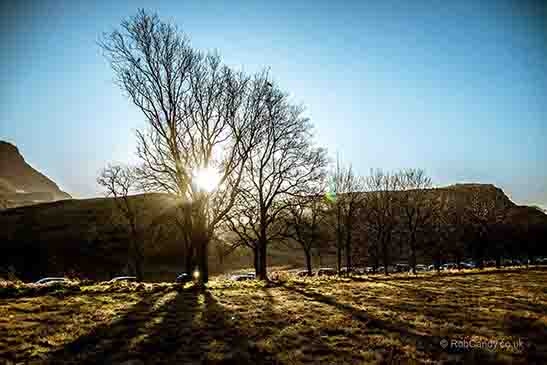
{"x":403,"y":268}
{"x":327,"y":271}
{"x":61,"y":280}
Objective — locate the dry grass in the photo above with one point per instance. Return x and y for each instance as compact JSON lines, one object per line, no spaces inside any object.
{"x":328,"y":321}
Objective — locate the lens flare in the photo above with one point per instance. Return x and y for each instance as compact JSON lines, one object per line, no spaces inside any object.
{"x":207,"y":179}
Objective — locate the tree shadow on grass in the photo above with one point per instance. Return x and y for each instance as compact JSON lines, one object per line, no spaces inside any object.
{"x":107,"y":341}
{"x":428,"y":345}
{"x":307,"y":342}
{"x":185,"y":327}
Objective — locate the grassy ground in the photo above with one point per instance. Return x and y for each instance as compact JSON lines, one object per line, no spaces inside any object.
{"x":322,"y":321}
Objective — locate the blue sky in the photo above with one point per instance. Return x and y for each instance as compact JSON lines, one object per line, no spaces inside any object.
{"x":458,"y":88}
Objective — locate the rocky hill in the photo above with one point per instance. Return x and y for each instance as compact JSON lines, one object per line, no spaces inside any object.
{"x":21,"y":184}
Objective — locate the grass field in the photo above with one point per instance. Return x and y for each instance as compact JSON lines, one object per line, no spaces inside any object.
{"x":500,"y":315}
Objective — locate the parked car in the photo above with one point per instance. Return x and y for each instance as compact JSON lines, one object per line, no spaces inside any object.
{"x":401,"y":268}
{"x":449,"y":266}
{"x":304,"y":273}
{"x":421,"y":268}
{"x":244,"y":277}
{"x":390,"y":269}
{"x":344,"y":270}
{"x":183,"y":278}
{"x":51,"y":280}
{"x":492,"y":263}
{"x":326,"y":271}
{"x":123,"y":278}
{"x":467,"y":265}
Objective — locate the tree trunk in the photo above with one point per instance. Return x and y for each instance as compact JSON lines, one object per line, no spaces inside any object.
{"x":338,"y":258}
{"x":308,"y":261}
{"x":138,"y":269}
{"x":338,"y":237}
{"x":348,"y":250}
{"x":413,"y":253}
{"x":385,"y":254}
{"x":263,"y":263}
{"x":256,"y":257}
{"x":137,"y":254}
{"x":204,"y":270}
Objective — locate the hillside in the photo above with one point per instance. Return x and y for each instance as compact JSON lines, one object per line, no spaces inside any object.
{"x":21,"y":184}
{"x":85,"y":236}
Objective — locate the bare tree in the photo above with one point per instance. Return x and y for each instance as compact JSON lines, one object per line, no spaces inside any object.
{"x":485,"y":213}
{"x":120,"y":182}
{"x":304,"y":222}
{"x":417,"y":205}
{"x":348,"y":198}
{"x":196,"y":119}
{"x":383,"y":207}
{"x":283,"y":164}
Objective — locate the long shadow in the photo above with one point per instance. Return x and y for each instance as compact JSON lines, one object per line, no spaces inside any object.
{"x":189,"y":327}
{"x":472,"y":296}
{"x":205,"y":334}
{"x":428,"y":344}
{"x":315,"y":344}
{"x":108,"y":342}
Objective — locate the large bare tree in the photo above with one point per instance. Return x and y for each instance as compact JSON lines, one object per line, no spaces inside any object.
{"x":194,"y":108}
{"x":283,"y":164}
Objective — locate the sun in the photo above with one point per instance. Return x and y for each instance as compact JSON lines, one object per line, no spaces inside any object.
{"x":206,"y":179}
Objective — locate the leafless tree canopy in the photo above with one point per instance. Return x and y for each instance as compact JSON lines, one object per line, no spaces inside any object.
{"x":417,"y":207}
{"x":194,"y":109}
{"x":203,"y":115}
{"x":120,"y":182}
{"x":348,"y":200}
{"x":282,"y":165}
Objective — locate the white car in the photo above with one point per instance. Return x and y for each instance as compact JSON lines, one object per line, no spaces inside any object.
{"x":326,"y":271}
{"x":51,"y":280}
{"x":244,"y":277}
{"x":123,"y":278}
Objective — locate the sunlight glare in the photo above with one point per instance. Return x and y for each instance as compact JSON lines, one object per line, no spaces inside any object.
{"x":207,"y":179}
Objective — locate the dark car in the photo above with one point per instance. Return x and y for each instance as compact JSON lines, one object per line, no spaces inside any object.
{"x":327,"y":271}
{"x":402,"y":268}
{"x":353,"y":270}
{"x":303,"y":273}
{"x":184,"y":278}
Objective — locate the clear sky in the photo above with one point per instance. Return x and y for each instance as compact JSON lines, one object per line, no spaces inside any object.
{"x":457,"y":88}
